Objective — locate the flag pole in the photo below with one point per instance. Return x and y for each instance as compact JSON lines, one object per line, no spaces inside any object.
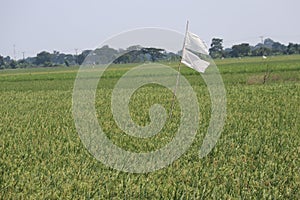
{"x":178,"y":74}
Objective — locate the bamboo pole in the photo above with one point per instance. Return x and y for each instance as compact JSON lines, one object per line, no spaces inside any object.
{"x":178,"y":74}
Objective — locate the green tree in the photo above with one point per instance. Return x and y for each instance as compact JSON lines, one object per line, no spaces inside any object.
{"x":216,"y":48}
{"x":82,"y":56}
{"x":67,"y":63}
{"x":134,"y":48}
{"x":293,"y":48}
{"x":43,"y":58}
{"x":2,"y":63}
{"x":13,"y":64}
{"x":142,"y":55}
{"x":154,"y":53}
{"x":105,"y":55}
{"x":278,"y":48}
{"x":261,"y":51}
{"x":241,"y":50}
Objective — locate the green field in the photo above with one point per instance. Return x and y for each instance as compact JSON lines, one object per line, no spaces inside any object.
{"x":257,"y":155}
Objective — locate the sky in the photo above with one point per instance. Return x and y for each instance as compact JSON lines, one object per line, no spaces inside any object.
{"x":33,"y":26}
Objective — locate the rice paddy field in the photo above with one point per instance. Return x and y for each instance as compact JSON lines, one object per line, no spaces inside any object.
{"x":256,"y":157}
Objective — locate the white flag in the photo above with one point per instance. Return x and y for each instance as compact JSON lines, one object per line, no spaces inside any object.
{"x":195,"y":44}
{"x":193,"y":61}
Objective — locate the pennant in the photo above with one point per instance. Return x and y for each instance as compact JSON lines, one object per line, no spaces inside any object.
{"x":194,"y":44}
{"x":193,"y":61}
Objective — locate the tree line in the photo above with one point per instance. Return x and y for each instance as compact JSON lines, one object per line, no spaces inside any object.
{"x":267,"y":48}
{"x":139,"y":54}
{"x":103,"y":55}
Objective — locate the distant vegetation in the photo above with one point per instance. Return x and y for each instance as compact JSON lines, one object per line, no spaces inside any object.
{"x":139,"y":54}
{"x":268,"y":48}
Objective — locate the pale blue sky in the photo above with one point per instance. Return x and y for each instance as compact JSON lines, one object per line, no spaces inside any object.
{"x":63,"y":25}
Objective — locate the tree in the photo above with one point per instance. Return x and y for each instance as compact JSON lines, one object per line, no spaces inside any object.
{"x":104,"y":55}
{"x":43,"y":58}
{"x":172,"y":57}
{"x":142,"y":55}
{"x":13,"y":64}
{"x":134,"y":47}
{"x":69,"y":60}
{"x":67,"y":63}
{"x":240,"y":50}
{"x":154,"y":53}
{"x":261,"y":51}
{"x":81,"y":57}
{"x":278,"y":48}
{"x":293,"y":48}
{"x":227,"y":53}
{"x":22,"y":64}
{"x":216,"y":50}
{"x":1,"y":60}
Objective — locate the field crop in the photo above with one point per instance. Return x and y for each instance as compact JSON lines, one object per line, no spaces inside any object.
{"x":257,"y":155}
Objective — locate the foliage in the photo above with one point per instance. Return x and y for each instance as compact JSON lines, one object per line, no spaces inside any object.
{"x":262,"y":51}
{"x":268,"y":48}
{"x":278,"y":48}
{"x":139,"y":54}
{"x":1,"y":60}
{"x":293,"y":48}
{"x":216,"y":50}
{"x":82,"y":56}
{"x":43,"y":59}
{"x":240,"y":50}
{"x":145,"y":55}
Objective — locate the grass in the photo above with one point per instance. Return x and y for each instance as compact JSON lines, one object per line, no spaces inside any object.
{"x":257,"y":155}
